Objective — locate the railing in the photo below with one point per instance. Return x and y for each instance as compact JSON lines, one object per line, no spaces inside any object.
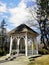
{"x":29,"y":52}
{"x":35,"y":52}
{"x":32,"y":52}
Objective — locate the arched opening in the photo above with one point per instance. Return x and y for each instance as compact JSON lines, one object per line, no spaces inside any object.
{"x":14,"y":44}
{"x":22,"y":46}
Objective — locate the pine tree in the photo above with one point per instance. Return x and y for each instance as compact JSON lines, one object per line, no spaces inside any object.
{"x":3,"y":36}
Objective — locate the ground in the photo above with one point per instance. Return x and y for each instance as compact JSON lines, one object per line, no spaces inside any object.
{"x":22,"y":60}
{"x":43,"y":60}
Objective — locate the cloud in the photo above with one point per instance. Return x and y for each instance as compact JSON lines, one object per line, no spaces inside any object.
{"x":3,"y":7}
{"x":8,"y":30}
{"x":19,"y":14}
{"x":30,"y":0}
{"x":3,"y":10}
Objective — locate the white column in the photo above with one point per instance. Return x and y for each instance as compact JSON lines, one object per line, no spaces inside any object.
{"x":32,"y":46}
{"x":37,"y":48}
{"x":26,"y":45}
{"x":36,"y":45}
{"x":10,"y":45}
{"x":18,"y":45}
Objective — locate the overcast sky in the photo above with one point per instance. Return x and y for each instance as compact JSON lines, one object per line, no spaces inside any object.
{"x":15,"y":12}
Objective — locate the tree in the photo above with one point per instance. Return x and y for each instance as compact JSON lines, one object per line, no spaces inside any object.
{"x":43,"y":14}
{"x":3,"y":36}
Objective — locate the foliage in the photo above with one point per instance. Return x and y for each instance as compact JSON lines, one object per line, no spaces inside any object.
{"x":14,"y":53}
{"x":3,"y":39}
{"x":2,"y":52}
{"x":44,"y":6}
{"x":42,"y":15}
{"x":43,"y":51}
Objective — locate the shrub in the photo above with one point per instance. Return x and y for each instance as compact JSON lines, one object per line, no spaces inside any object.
{"x":2,"y":52}
{"x":14,"y":53}
{"x":43,"y":51}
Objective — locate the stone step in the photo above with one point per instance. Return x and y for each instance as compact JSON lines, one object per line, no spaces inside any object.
{"x":32,"y":58}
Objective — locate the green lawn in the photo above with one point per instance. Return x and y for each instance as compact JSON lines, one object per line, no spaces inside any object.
{"x":43,"y":60}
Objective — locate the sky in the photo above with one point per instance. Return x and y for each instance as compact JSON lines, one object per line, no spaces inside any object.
{"x":16,"y":12}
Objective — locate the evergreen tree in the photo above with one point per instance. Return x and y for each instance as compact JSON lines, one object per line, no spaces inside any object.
{"x":3,"y":36}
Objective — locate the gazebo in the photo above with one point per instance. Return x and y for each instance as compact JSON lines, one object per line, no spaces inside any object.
{"x":23,"y":40}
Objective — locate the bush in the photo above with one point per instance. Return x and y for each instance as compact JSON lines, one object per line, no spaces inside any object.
{"x":43,"y":51}
{"x":2,"y":52}
{"x":14,"y":53}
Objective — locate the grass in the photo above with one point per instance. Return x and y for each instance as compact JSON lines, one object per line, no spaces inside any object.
{"x":43,"y":60}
